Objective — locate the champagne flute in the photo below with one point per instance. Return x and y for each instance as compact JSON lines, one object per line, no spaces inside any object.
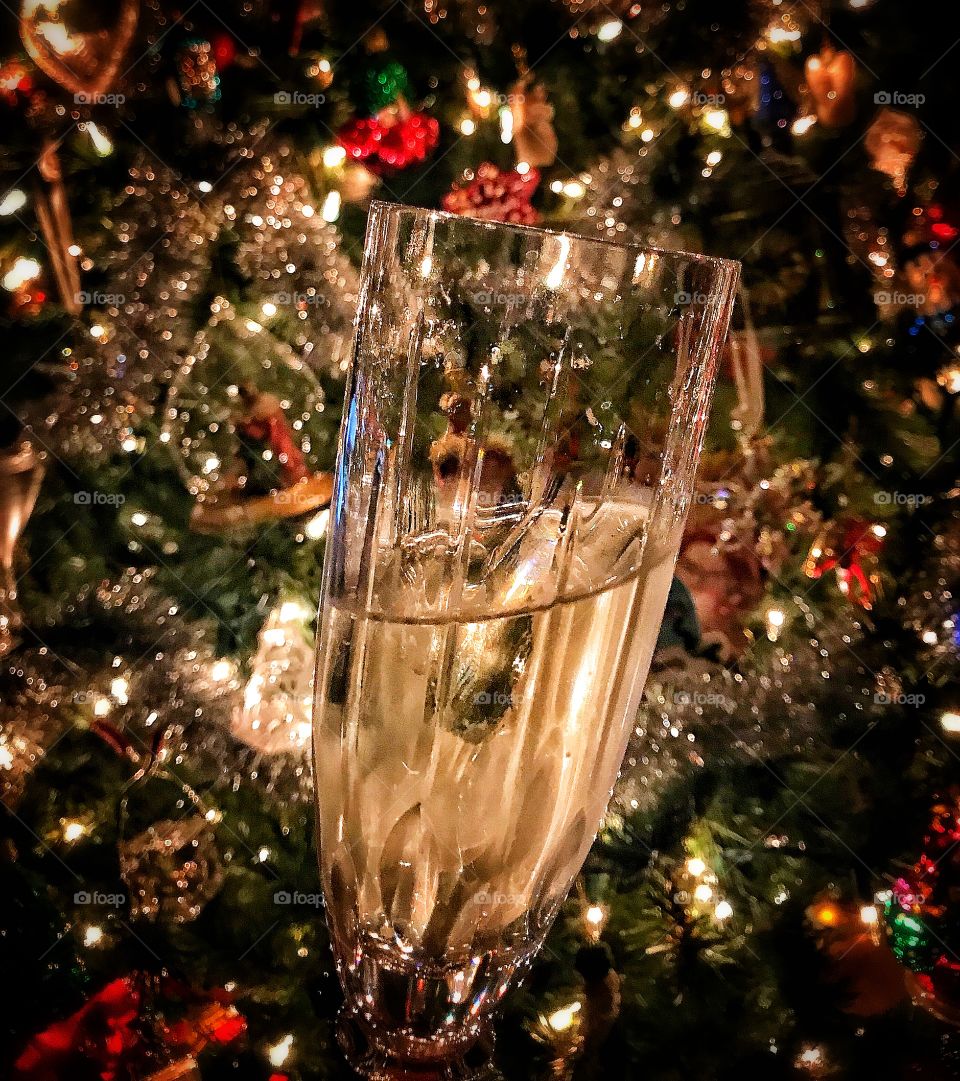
{"x":523,"y":418}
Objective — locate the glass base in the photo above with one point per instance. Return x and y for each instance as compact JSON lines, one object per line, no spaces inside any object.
{"x":405,"y":1060}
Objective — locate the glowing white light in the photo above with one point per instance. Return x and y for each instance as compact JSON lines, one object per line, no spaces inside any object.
{"x":139,"y":518}
{"x":869,"y":916}
{"x":803,"y":124}
{"x":93,"y":936}
{"x":101,"y":143}
{"x":268,"y":308}
{"x":205,"y":186}
{"x":723,"y":911}
{"x":715,"y":119}
{"x":778,"y":35}
{"x":263,"y":855}
{"x":714,"y":158}
{"x":22,"y":271}
{"x":12,"y":202}
{"x":73,"y":831}
{"x":647,"y":135}
{"x":573,"y":189}
{"x":610,"y":30}
{"x":253,"y":326}
{"x":950,"y":722}
{"x":703,"y":893}
{"x":102,"y":707}
{"x":776,"y":617}
{"x":330,"y":210}
{"x":506,"y":125}
{"x":280,"y":1052}
{"x":211,"y":464}
{"x":317,"y":526}
{"x":595,"y":915}
{"x":560,"y":1020}
{"x":119,"y":688}
{"x":696,"y":867}
{"x":554,"y":278}
{"x":221,"y":670}
{"x":929,"y":638}
{"x":294,"y":610}
{"x":334,"y":156}
{"x":678,"y":98}
{"x":129,"y":443}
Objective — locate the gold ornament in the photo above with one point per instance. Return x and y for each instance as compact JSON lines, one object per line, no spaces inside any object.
{"x":83,"y":62}
{"x":830,"y":79}
{"x":534,"y":139}
{"x":21,"y":473}
{"x":53,"y":213}
{"x":892,"y":141}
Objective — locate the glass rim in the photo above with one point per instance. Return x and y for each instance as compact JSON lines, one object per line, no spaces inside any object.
{"x":719,"y":263}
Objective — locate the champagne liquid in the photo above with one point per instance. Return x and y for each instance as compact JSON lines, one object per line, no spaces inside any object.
{"x":462,"y":770}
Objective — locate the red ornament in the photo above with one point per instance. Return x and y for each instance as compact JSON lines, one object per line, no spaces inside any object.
{"x":495,"y":195}
{"x":850,"y":547}
{"x":390,"y":140}
{"x":15,"y":79}
{"x":224,"y":49}
{"x":102,"y":1032}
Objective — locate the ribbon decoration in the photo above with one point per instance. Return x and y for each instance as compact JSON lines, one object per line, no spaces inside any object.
{"x":53,"y":213}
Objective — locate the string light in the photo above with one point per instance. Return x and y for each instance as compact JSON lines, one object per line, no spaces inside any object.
{"x":678,"y":98}
{"x":696,"y":867}
{"x":12,"y":202}
{"x":221,"y":670}
{"x":73,"y":831}
{"x":723,"y":911}
{"x":467,"y":126}
{"x":506,"y":124}
{"x":280,"y":1052}
{"x":101,"y":143}
{"x":776,"y":617}
{"x":316,"y":527}
{"x":22,"y":271}
{"x":610,"y":30}
{"x":869,"y":916}
{"x":119,"y":688}
{"x":560,"y":1020}
{"x":334,"y":156}
{"x":950,"y":722}
{"x":330,"y":210}
{"x":93,"y":936}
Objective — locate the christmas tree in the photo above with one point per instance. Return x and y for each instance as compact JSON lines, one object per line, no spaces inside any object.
{"x":181,"y":223}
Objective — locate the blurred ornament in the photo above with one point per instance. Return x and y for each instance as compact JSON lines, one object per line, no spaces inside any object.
{"x":395,"y":139}
{"x":97,"y":1040}
{"x":384,"y":84}
{"x":933,"y":278}
{"x":85,"y":62}
{"x":534,"y":138}
{"x":357,"y":183}
{"x":224,"y":49}
{"x":725,"y":579}
{"x":922,"y":918}
{"x":857,"y":959}
{"x":198,"y":74}
{"x":274,"y":717}
{"x":21,"y":474}
{"x":892,"y":141}
{"x":15,"y":80}
{"x":169,"y":856}
{"x":850,"y":547}
{"x":831,"y":76}
{"x":244,"y":422}
{"x":495,"y":195}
